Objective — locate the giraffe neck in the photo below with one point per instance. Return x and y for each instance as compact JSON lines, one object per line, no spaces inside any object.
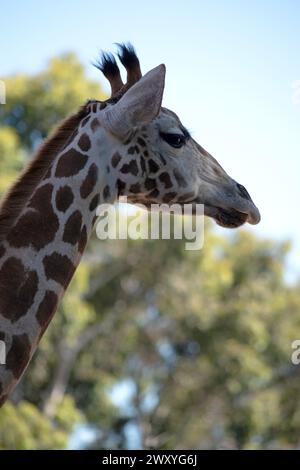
{"x":43,"y":248}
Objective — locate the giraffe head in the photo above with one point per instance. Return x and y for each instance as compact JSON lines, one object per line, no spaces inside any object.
{"x":156,"y":158}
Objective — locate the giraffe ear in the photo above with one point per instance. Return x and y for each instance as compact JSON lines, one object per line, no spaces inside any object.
{"x":139,"y":105}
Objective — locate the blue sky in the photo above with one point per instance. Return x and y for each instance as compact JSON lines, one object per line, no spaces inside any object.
{"x":230,"y":69}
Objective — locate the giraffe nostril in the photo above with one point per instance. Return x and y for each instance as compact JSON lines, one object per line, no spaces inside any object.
{"x":243,"y":191}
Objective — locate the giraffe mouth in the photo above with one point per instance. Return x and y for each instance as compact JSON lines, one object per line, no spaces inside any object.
{"x":228,"y":218}
{"x":231,"y":217}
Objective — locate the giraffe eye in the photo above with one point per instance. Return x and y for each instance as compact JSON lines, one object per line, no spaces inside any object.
{"x":175,"y":140}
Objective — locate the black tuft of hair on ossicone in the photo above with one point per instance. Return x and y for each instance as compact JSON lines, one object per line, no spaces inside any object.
{"x":107,"y":65}
{"x":127,"y":55}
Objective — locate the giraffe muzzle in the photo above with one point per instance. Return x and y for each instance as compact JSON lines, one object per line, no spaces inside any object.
{"x":231,"y":206}
{"x":231,"y":218}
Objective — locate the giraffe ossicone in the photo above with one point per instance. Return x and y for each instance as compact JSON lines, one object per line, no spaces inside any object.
{"x":129,"y":146}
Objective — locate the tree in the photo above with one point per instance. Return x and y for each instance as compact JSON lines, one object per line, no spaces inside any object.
{"x":12,"y":156}
{"x":35,"y":104}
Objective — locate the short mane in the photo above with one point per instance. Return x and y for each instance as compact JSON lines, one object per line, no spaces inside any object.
{"x":19,"y":193}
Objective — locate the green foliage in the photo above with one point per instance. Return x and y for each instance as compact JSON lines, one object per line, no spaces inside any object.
{"x":24,"y":427}
{"x":12,"y":156}
{"x":191,"y":349}
{"x":35,"y":104}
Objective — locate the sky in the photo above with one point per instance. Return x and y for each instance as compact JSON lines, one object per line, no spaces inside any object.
{"x":233,"y":77}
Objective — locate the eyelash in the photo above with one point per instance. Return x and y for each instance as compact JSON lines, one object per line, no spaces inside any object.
{"x":171,"y":139}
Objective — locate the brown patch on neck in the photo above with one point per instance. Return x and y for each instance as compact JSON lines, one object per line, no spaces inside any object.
{"x":19,"y":355}
{"x":17,"y":296}
{"x":19,"y":194}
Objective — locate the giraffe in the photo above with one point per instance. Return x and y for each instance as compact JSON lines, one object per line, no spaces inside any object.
{"x":128,"y":145}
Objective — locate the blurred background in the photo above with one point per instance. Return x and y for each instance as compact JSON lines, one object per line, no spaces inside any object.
{"x":154,"y":346}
